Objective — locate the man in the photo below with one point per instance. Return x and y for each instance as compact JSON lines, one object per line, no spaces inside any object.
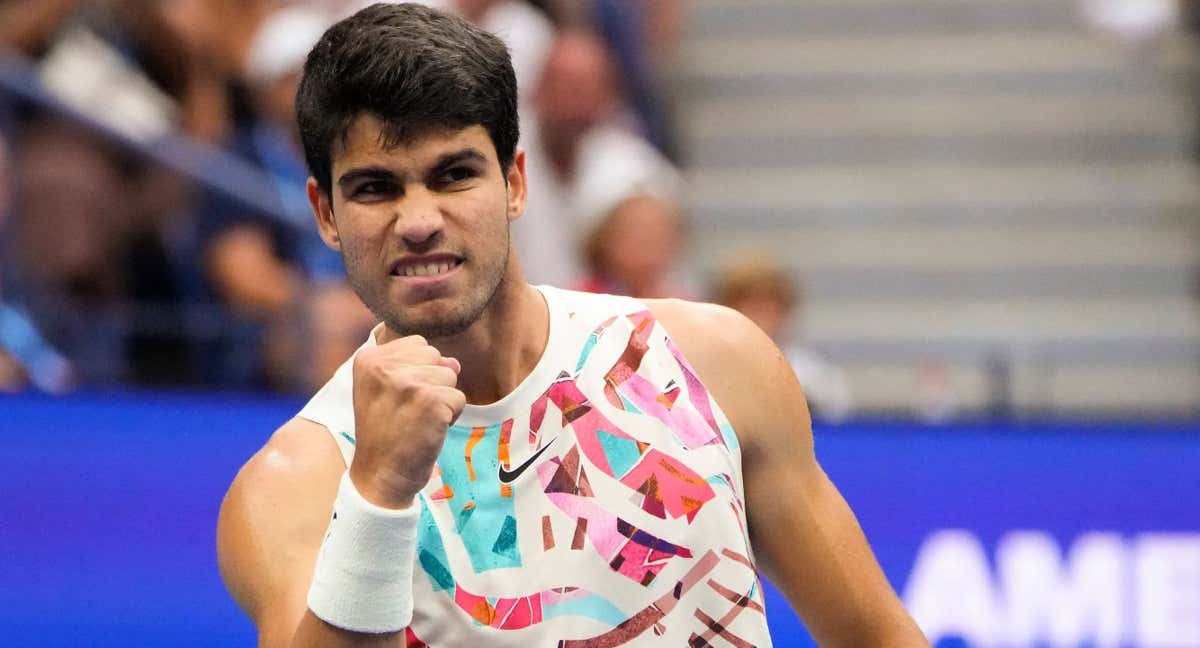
{"x":527,"y":466}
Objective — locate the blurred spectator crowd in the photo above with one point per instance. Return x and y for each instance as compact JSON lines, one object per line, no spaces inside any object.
{"x":118,"y":269}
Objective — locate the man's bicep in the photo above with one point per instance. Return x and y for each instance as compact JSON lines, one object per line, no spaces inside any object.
{"x":802,"y":530}
{"x":809,"y":540}
{"x":812,"y":548}
{"x":270,"y":530}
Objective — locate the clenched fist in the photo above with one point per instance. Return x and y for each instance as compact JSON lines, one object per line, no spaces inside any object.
{"x":405,"y":400}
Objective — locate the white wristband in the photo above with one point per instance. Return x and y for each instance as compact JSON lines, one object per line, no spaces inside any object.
{"x":363,"y":578}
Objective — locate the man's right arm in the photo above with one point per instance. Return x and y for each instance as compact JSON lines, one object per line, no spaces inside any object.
{"x":272,"y":524}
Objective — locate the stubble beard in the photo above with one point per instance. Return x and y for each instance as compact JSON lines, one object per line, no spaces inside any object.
{"x":448,"y":325}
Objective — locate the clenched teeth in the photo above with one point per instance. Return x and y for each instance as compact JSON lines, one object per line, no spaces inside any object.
{"x":425,"y":269}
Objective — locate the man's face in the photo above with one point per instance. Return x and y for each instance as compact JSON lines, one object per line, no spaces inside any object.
{"x":422,"y":226}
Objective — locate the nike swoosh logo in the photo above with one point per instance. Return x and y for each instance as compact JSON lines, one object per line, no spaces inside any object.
{"x":508,"y":476}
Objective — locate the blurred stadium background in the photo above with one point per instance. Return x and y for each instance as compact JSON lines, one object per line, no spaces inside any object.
{"x":972,"y":224}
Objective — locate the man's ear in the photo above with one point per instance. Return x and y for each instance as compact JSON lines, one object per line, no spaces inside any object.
{"x":515,"y":176}
{"x":323,"y":212}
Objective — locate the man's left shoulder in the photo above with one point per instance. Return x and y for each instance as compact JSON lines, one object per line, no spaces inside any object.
{"x":737,"y":362}
{"x":708,"y":328}
{"x":725,"y":347}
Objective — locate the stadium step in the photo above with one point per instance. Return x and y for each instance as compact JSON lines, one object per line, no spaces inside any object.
{"x":977,"y":183}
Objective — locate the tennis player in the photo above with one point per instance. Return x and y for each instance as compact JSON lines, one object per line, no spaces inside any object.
{"x":502,"y":464}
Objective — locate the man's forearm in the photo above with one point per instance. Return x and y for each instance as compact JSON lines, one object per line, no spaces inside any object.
{"x":896,"y":630}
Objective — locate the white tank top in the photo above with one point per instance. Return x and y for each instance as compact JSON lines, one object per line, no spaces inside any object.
{"x":598,"y":504}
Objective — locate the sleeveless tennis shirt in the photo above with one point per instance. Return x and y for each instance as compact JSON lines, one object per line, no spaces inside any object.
{"x":598,"y":504}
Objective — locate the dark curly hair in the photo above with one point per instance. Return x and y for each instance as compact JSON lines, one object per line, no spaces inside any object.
{"x":417,"y":69}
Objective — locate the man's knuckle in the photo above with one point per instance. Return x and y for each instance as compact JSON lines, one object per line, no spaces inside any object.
{"x":408,"y":389}
{"x":425,"y":397}
{"x":372,"y":370}
{"x":430,"y":355}
{"x":363,"y":359}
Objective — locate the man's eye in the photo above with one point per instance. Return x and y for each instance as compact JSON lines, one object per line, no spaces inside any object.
{"x":458,"y":174}
{"x":371,"y":188}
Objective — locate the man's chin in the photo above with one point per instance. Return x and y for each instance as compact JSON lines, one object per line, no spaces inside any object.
{"x":432,"y":328}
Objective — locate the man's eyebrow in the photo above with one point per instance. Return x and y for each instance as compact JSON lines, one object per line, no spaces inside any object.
{"x":365,"y":173}
{"x":443,"y":162}
{"x":450,"y":159}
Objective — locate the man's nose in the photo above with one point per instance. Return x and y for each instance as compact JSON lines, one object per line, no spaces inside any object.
{"x":420,"y":219}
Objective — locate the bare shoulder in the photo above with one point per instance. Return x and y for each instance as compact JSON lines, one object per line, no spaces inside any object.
{"x":740,"y":365}
{"x":686,"y":312}
{"x":298,"y":451}
{"x":272,"y":521}
{"x":723,"y":345}
{"x":707,"y":328}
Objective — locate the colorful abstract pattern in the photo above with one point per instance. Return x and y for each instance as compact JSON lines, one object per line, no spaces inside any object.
{"x":619,"y":489}
{"x":670,"y":487}
{"x":504,"y":613}
{"x":484,"y":516}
